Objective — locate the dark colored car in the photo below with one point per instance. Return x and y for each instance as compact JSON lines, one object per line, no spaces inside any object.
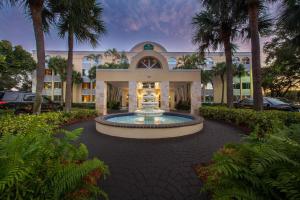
{"x":22,"y":102}
{"x":268,"y":104}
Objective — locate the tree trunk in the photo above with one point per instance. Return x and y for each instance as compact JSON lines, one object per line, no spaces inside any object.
{"x":229,"y":76}
{"x":255,"y":49}
{"x":36,"y":14}
{"x":68,"y":100}
{"x":241,"y":88}
{"x":222,"y":80}
{"x":62,"y":93}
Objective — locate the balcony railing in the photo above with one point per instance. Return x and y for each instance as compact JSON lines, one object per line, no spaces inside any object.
{"x":85,"y":91}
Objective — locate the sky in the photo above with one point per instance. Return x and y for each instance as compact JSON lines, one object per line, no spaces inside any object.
{"x":128,"y":22}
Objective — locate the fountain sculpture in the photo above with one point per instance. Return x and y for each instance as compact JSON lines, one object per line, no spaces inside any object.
{"x":150,"y":107}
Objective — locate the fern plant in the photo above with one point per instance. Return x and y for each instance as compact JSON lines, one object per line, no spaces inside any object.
{"x":40,"y":166}
{"x":259,"y":168}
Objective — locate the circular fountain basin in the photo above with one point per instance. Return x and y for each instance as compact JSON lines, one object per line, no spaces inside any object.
{"x":130,"y":125}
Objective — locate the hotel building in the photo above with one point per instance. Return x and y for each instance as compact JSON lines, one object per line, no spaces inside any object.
{"x":147,"y":64}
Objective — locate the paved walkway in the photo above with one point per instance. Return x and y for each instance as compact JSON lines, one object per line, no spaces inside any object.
{"x":156,"y":169}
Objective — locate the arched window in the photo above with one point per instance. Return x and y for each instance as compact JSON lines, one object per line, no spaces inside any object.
{"x":246,"y":60}
{"x":149,"y":63}
{"x":172,"y":62}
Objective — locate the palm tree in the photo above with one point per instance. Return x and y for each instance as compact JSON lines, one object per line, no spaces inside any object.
{"x":216,"y":26}
{"x":240,"y":71}
{"x":219,"y":70}
{"x":59,"y":66}
{"x":41,"y":17}
{"x":79,"y":19}
{"x":255,"y":8}
{"x":114,"y":54}
{"x":206,"y":77}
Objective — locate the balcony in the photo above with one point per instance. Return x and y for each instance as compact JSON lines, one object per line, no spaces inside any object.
{"x":57,"y":91}
{"x":47,"y":92}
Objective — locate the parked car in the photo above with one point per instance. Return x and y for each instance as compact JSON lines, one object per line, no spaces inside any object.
{"x":268,"y":104}
{"x":22,"y":102}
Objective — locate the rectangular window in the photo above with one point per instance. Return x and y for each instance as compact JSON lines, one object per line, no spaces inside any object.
{"x":236,"y":85}
{"x":86,"y":98}
{"x":85,"y":72}
{"x":48,"y":72}
{"x":93,"y":98}
{"x":47,"y":85}
{"x":57,"y":97}
{"x":246,"y":85}
{"x":94,"y":85}
{"x":57,"y":85}
{"x":86,"y":85}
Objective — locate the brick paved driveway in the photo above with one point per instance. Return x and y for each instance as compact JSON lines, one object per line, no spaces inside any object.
{"x":156,"y":169}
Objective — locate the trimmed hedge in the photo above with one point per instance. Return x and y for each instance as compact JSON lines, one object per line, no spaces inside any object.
{"x":43,"y":123}
{"x":261,"y":123}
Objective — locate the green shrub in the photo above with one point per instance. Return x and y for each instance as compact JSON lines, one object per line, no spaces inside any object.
{"x":261,"y":123}
{"x":266,"y":168}
{"x":183,"y":105}
{"x":114,"y":105}
{"x":40,"y":166}
{"x":43,"y":123}
{"x":84,"y":105}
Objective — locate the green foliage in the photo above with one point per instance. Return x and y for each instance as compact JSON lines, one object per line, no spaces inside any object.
{"x":266,"y":168}
{"x":261,"y":123}
{"x":114,"y":66}
{"x":84,"y":105}
{"x":183,"y":105}
{"x":59,"y":66}
{"x":16,"y":65}
{"x":114,"y":105}
{"x":43,"y":123}
{"x":40,"y":166}
{"x":192,"y":61}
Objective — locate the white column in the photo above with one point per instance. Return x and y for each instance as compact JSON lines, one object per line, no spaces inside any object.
{"x":164,"y":95}
{"x":132,"y":96}
{"x":101,"y":97}
{"x":195,"y":96}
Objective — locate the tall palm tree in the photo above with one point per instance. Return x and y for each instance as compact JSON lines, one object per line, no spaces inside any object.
{"x":215,"y":27}
{"x":79,"y":19}
{"x":59,"y":66}
{"x":220,"y":70}
{"x":255,"y":8}
{"x":240,"y":72}
{"x":40,"y":15}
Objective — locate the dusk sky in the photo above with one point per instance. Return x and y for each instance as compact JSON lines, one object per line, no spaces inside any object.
{"x":128,"y":22}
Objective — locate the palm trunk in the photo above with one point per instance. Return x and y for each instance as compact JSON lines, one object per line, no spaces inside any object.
{"x":62,"y":93}
{"x":229,"y":77}
{"x":255,"y":49}
{"x":69,"y":84}
{"x":241,"y":88}
{"x":36,"y":13}
{"x":222,"y":80}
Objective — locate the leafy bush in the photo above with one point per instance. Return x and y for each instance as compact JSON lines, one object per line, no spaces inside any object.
{"x":114,"y":105}
{"x":266,"y":168}
{"x":183,"y":105}
{"x":84,"y":105}
{"x":261,"y":123}
{"x":43,"y":123}
{"x":40,"y":166}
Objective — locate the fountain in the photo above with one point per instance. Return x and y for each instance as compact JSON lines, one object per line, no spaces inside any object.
{"x":150,"y":107}
{"x":149,"y":122}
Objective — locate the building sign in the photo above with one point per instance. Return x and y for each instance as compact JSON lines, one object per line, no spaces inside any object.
{"x":148,"y":47}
